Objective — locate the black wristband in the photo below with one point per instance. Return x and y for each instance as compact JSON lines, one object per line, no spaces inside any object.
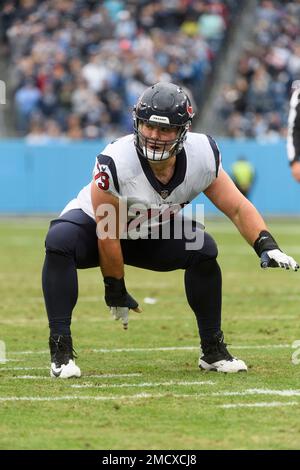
{"x":265,"y":242}
{"x":115,"y":285}
{"x":115,"y":291}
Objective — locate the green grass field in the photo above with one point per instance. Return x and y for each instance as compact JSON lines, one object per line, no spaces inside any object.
{"x":144,"y":396}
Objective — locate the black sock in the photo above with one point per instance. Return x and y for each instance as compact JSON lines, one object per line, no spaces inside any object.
{"x":203,"y":285}
{"x":60,"y":288}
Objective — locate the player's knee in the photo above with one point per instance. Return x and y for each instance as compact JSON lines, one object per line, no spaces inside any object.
{"x":211,"y":248}
{"x":61,"y":238}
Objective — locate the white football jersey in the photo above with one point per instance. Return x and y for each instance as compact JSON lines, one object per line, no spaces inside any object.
{"x":122,"y":171}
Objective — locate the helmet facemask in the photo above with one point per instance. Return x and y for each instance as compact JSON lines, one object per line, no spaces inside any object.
{"x":157,"y":150}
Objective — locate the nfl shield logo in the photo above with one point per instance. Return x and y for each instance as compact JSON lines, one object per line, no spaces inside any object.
{"x":164,"y":194}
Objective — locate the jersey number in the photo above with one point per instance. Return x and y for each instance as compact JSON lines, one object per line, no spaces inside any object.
{"x":102,"y":180}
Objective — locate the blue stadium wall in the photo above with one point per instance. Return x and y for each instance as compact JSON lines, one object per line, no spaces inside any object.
{"x":41,"y":179}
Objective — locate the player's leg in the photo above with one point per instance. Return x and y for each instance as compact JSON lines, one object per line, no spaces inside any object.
{"x":71,"y":243}
{"x":203,"y":285}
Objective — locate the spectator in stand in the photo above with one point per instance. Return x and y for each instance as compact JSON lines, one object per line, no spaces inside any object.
{"x":258,"y":101}
{"x":74,"y":129}
{"x":27,"y":101}
{"x":109,"y":44}
{"x":36,"y":134}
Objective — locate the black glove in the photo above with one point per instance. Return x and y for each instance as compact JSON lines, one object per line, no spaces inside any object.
{"x":270,"y":254}
{"x":118,"y":299}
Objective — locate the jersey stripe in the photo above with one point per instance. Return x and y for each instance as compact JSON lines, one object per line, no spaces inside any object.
{"x":216,"y":152}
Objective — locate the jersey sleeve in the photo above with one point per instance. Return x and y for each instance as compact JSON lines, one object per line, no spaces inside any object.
{"x":105,"y":175}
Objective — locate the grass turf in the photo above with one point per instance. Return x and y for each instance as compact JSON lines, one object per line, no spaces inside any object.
{"x":161,"y":408}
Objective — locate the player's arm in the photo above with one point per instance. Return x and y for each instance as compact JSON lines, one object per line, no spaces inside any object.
{"x":224,"y":195}
{"x":106,"y":208}
{"x":110,"y":252}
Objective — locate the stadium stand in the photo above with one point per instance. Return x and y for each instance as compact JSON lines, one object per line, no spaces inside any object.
{"x":256,"y":104}
{"x":77,"y":66}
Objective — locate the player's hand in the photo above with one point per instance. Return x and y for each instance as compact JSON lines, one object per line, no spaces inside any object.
{"x":119,"y":300}
{"x":277,"y":259}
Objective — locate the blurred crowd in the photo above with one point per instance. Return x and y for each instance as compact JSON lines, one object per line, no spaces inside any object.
{"x":256,"y":105}
{"x":78,"y":66}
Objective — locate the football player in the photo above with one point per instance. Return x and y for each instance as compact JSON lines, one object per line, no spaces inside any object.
{"x":160,"y":166}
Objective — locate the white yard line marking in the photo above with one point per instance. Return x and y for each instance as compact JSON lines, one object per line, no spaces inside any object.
{"x":247,"y":392}
{"x":258,"y":391}
{"x":11,"y":360}
{"x":4,"y":369}
{"x":146,"y":396}
{"x":263,"y":346}
{"x":272,"y":404}
{"x":168,"y":348}
{"x":90,"y":398}
{"x":25,"y":353}
{"x":104,"y":376}
{"x":146,"y":384}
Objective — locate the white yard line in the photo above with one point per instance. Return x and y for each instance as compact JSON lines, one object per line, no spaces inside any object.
{"x":104,"y":376}
{"x":247,"y":392}
{"x":4,"y":369}
{"x":146,"y":384}
{"x":88,"y":398}
{"x":258,"y":391}
{"x":4,"y":361}
{"x":146,"y":396}
{"x":272,"y":404}
{"x":25,"y":353}
{"x":263,"y":346}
